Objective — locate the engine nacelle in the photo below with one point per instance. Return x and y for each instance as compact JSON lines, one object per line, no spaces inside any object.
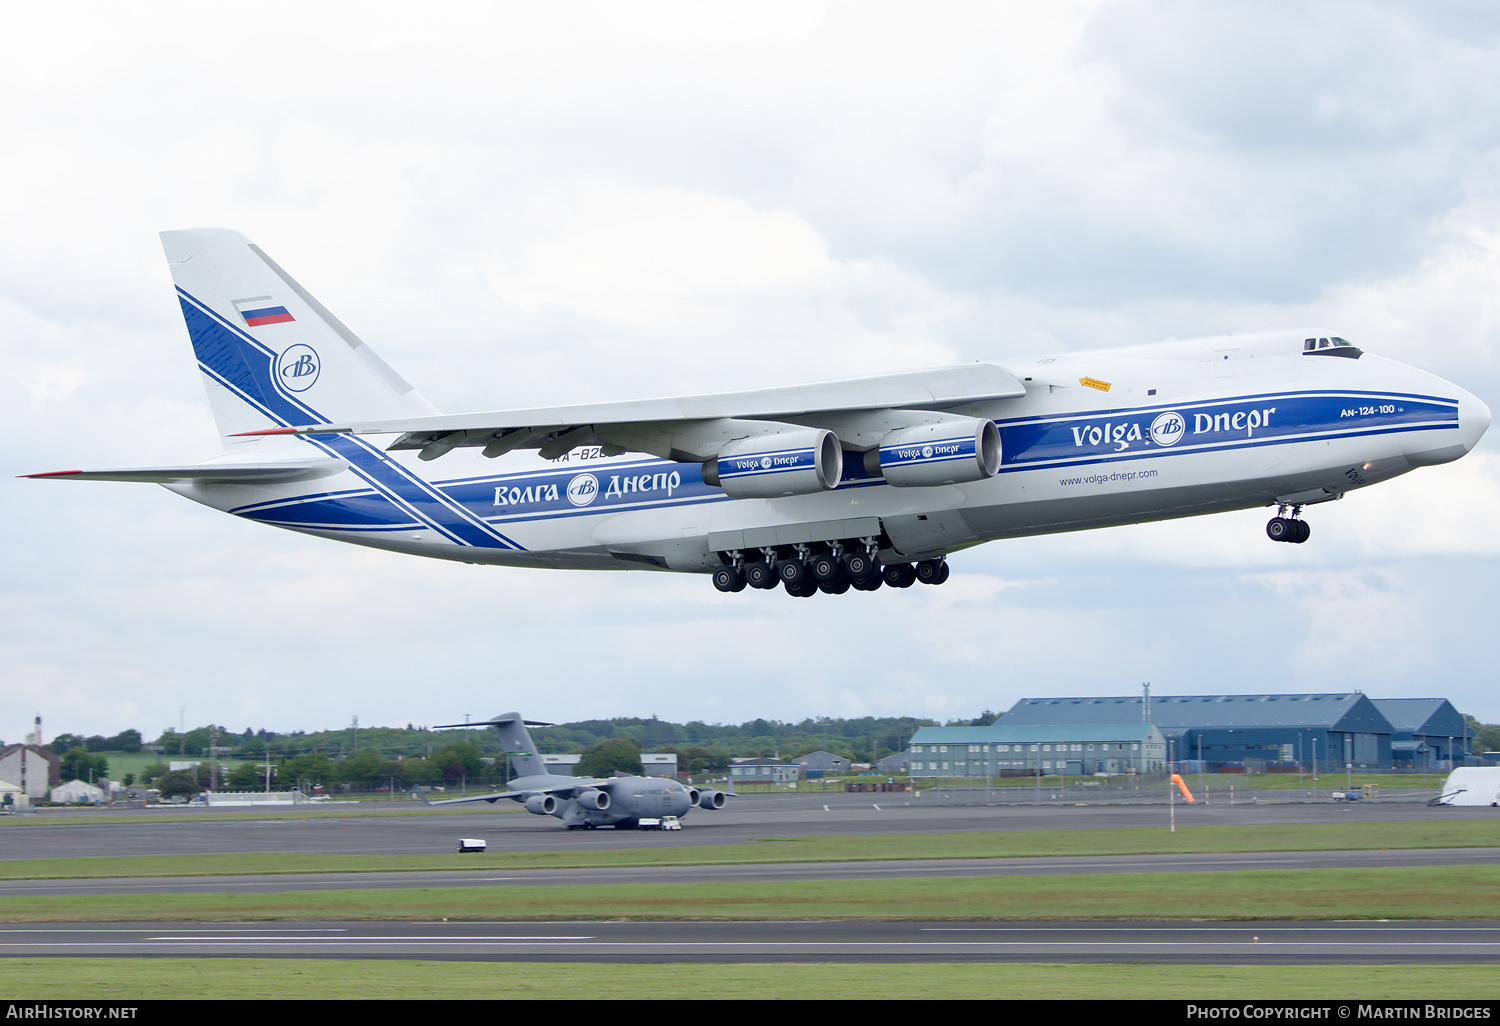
{"x":950,"y":452}
{"x":598,"y":801}
{"x":795,"y":462}
{"x":708,"y":798}
{"x":541,"y":804}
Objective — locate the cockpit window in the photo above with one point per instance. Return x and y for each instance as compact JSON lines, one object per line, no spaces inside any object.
{"x":1330,"y":346}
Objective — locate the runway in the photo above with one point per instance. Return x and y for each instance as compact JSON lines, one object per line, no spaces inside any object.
{"x":827,"y":942}
{"x":751,"y":821}
{"x":185,"y":830}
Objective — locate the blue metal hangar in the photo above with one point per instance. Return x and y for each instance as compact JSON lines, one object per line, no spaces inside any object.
{"x":1326,"y":729}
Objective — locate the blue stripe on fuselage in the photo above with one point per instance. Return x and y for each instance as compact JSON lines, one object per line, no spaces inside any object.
{"x":240,"y":363}
{"x":464,"y":508}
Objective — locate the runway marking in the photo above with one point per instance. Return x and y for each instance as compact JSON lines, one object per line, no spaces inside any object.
{"x":360,"y":940}
{"x":597,"y":944}
{"x":1209,"y":929}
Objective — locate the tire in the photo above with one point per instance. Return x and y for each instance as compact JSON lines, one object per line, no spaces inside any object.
{"x":825,"y":569}
{"x":900,"y":575}
{"x":729,"y":579}
{"x":1279,"y":529}
{"x":760,"y":576}
{"x":860,"y":567}
{"x":930,"y":571}
{"x":1304,"y":531}
{"x":793,"y":572}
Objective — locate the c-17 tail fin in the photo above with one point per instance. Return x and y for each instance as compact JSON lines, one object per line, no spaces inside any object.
{"x":515,"y":739}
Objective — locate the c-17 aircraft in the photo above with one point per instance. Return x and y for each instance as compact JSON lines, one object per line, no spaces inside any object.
{"x":583,"y":802}
{"x":824,"y":487}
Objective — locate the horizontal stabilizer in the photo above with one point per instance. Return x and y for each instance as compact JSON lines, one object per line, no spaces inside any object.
{"x":219,"y":473}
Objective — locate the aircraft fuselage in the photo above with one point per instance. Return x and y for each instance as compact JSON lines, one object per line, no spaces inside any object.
{"x":1099,"y":439}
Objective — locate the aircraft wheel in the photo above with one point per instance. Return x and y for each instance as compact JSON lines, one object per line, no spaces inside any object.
{"x":866,"y":584}
{"x":760,"y":575}
{"x":900,"y":575}
{"x":1304,"y":531}
{"x":729,"y":579}
{"x":805,"y":588}
{"x":792,"y":572}
{"x":825,"y":569}
{"x":860,"y":567}
{"x":834,"y":587}
{"x":1280,"y":529}
{"x":932,"y":571}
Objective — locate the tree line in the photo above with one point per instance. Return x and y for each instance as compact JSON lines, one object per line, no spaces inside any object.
{"x":377,"y":757}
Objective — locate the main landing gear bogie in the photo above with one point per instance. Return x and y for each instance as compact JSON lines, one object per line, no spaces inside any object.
{"x":804,"y":573}
{"x":1283,"y":528}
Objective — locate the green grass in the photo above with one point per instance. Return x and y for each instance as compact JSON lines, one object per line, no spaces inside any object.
{"x":125,"y":980}
{"x":1460,"y":892}
{"x":987,"y":844}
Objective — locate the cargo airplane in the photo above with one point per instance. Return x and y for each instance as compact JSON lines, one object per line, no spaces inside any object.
{"x":858,"y":483}
{"x":582,"y":803}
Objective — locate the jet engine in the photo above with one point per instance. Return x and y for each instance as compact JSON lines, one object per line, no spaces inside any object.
{"x":598,"y":801}
{"x":541,"y":804}
{"x":707,"y":798}
{"x":795,"y":462}
{"x":949,"y":452}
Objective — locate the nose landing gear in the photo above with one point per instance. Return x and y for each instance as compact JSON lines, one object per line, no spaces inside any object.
{"x":1283,"y":528}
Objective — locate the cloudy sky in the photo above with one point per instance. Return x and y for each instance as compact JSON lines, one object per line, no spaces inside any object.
{"x":524,"y":204}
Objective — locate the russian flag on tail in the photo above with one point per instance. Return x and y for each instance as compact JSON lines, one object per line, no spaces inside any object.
{"x":262,"y":310}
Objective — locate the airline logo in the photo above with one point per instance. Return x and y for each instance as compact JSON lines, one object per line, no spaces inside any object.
{"x":556,"y":493}
{"x":297,"y":368}
{"x":1168,"y":428}
{"x":928,"y":452}
{"x":773,"y":463}
{"x":1251,"y":420}
{"x":583,"y":489}
{"x":262,"y":310}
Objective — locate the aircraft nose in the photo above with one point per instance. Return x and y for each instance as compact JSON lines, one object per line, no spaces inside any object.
{"x":1473,"y":420}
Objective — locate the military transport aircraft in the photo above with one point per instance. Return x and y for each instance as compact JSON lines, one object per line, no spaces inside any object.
{"x":826,"y":487}
{"x":583,"y":802}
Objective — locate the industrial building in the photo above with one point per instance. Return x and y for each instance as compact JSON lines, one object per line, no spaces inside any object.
{"x":1005,"y":749}
{"x":1265,"y":731}
{"x":763,"y":771}
{"x":1429,"y":732}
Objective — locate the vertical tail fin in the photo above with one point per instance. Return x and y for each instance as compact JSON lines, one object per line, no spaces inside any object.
{"x":525,"y":761}
{"x":515,"y":739}
{"x":271,"y":354}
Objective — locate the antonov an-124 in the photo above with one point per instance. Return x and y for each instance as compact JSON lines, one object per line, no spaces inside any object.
{"x":858,"y":483}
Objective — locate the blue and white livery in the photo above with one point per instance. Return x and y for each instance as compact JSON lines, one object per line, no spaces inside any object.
{"x":858,"y":483}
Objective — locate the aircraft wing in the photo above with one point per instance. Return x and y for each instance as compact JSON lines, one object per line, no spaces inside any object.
{"x":696,"y":427}
{"x":221,"y":473}
{"x":565,"y":790}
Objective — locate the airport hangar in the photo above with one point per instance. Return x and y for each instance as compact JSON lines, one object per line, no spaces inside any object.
{"x":1348,"y":728}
